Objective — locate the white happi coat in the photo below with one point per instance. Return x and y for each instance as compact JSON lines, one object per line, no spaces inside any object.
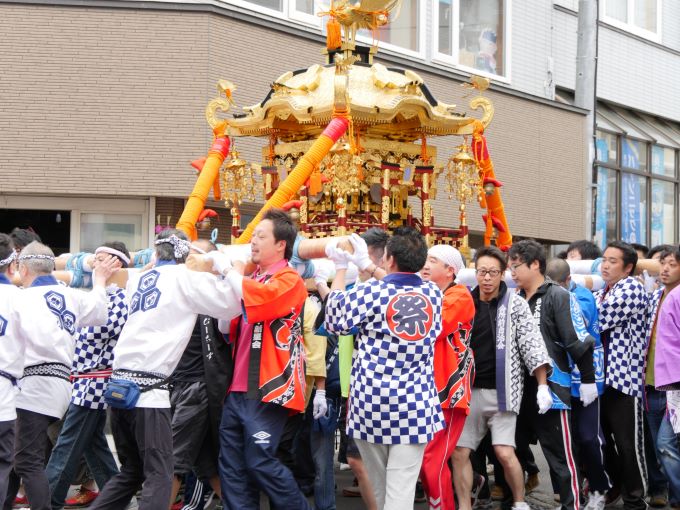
{"x":49,"y":315}
{"x":11,"y":349}
{"x":163,"y":304}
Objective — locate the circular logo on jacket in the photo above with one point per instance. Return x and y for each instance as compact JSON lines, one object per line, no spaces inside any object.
{"x":410,"y":316}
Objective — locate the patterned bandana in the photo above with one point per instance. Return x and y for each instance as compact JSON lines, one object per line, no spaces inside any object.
{"x":181,"y":247}
{"x":8,"y":260}
{"x":36,"y":256}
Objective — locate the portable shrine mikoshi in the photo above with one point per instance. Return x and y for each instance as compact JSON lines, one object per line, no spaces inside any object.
{"x":348,"y":144}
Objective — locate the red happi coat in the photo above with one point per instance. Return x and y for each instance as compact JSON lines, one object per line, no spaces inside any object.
{"x":454,"y":366}
{"x":276,"y":372}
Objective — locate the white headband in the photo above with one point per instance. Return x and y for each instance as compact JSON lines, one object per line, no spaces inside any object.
{"x":181,"y":247}
{"x":9,"y":259}
{"x":448,"y":255}
{"x":114,"y":252}
{"x":198,"y":250}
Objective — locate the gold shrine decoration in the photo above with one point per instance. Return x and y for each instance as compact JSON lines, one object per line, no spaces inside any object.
{"x":301,"y":173}
{"x":219,"y":103}
{"x":462,"y":175}
{"x":463,"y":180}
{"x":238,"y":179}
{"x":209,"y":172}
{"x":385,"y":198}
{"x":355,"y":16}
{"x":352,"y":143}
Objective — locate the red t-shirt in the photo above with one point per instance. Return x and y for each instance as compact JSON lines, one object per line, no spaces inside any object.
{"x":239,"y":382}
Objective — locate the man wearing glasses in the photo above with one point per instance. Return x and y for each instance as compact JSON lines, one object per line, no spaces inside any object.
{"x":559,"y":318}
{"x":504,"y":340}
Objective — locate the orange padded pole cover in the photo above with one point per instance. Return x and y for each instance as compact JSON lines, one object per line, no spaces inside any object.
{"x":302,"y":171}
{"x":206,"y":179}
{"x":494,"y":203}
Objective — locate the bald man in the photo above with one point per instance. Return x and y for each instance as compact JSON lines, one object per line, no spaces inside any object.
{"x":48,"y":316}
{"x":586,"y":419}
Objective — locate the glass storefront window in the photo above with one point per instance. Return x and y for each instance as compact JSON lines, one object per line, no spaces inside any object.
{"x":97,"y":229}
{"x":663,"y":212}
{"x":635,"y":198}
{"x":634,"y":154}
{"x":481,"y":37}
{"x":605,"y":207}
{"x":663,"y":161}
{"x":607,"y":151}
{"x":633,"y":208}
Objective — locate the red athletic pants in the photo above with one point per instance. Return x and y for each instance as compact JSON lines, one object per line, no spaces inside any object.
{"x":435,"y":473}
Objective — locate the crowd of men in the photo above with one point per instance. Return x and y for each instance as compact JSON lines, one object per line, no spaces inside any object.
{"x":236,"y":381}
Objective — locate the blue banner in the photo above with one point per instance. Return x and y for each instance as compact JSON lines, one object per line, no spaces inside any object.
{"x":658,"y":160}
{"x":602,"y":150}
{"x":630,"y":154}
{"x":631,"y":224}
{"x":657,"y":212}
{"x":601,"y":208}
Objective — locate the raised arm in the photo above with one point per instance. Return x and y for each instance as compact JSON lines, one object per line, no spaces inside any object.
{"x":624,"y":299}
{"x":573,"y":334}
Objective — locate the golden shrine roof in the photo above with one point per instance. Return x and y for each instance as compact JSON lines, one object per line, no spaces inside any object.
{"x":387,"y":103}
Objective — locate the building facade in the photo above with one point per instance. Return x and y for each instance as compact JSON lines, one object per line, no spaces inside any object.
{"x":635,"y":176}
{"x":103,"y":108}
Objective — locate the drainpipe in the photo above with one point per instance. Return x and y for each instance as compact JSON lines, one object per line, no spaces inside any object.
{"x":586,"y":95}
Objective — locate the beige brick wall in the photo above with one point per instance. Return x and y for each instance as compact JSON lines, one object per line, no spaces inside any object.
{"x":110,"y":102}
{"x":107,"y":102}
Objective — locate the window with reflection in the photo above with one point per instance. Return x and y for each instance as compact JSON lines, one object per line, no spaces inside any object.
{"x":635,"y":186}
{"x":472,"y":34}
{"x":480,"y":35}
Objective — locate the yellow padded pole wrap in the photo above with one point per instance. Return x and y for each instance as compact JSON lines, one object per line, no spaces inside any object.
{"x":297,"y":178}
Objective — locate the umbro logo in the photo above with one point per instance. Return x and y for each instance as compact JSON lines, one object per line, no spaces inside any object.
{"x":262,"y":437}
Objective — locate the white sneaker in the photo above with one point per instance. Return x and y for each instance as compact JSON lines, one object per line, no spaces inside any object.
{"x":596,"y":501}
{"x":520,"y":505}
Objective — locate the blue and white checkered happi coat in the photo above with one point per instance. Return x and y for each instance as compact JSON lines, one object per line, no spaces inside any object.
{"x":393,"y":398}
{"x":94,"y":352}
{"x":623,"y":327}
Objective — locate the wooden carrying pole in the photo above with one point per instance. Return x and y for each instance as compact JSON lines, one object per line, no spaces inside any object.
{"x":308,"y":249}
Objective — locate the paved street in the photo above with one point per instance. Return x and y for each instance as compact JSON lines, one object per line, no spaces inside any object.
{"x":540,"y":499}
